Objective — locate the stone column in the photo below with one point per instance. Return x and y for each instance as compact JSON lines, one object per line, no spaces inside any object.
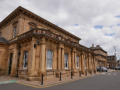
{"x":94,"y":61}
{"x":75,"y":54}
{"x":55,"y":59}
{"x":62,"y":58}
{"x":82,"y":63}
{"x":59,"y":59}
{"x":31,"y":63}
{"x":90,"y":62}
{"x":88,"y":56}
{"x":37,"y":60}
{"x":73,"y":59}
{"x":87,"y":62}
{"x":69,"y":61}
{"x":14,"y":61}
{"x":92,"y":65}
{"x":43,"y":56}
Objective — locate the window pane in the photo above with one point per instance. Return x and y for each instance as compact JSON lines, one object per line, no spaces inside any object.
{"x":66,"y":61}
{"x":77,"y":62}
{"x":49,"y":59}
{"x":14,"y":31}
{"x":25,"y":59}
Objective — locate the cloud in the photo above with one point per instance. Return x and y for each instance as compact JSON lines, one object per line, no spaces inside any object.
{"x":80,"y":17}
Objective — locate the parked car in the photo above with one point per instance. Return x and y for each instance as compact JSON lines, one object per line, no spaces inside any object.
{"x":117,"y":68}
{"x":102,"y":69}
{"x":99,"y":69}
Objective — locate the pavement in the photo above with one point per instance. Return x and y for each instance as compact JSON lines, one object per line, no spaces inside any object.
{"x":104,"y":81}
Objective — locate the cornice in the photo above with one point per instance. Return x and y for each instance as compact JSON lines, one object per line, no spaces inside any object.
{"x":21,"y":10}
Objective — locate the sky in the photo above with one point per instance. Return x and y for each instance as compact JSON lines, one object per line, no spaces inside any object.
{"x":94,"y":21}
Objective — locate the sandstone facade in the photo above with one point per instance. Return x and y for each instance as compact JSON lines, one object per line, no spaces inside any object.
{"x":33,"y":47}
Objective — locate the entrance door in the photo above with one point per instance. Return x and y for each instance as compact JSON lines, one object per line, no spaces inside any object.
{"x":10,"y":63}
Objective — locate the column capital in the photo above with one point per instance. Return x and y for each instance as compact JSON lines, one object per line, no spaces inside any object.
{"x":43,"y":40}
{"x":73,"y":49}
{"x":60,"y":45}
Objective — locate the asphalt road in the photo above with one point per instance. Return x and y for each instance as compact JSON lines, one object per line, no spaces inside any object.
{"x":106,"y":81}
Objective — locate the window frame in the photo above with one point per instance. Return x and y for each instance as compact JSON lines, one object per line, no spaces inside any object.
{"x":66,"y":58}
{"x":49,"y":59}
{"x":14,"y":31}
{"x":25,"y":59}
{"x":77,"y":62}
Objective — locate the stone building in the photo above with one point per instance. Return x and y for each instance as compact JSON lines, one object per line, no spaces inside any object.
{"x":118,"y":63}
{"x":31,"y":46}
{"x":100,"y":56}
{"x":111,"y":61}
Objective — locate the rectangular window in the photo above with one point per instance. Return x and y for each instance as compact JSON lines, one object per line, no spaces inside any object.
{"x":25,"y":59}
{"x":77,"y":62}
{"x":14,"y":31}
{"x":49,"y":59}
{"x":66,"y":61}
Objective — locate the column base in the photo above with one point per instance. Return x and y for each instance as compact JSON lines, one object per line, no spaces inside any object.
{"x":33,"y":78}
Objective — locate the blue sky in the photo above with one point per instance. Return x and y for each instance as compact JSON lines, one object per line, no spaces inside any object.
{"x":94,"y":21}
{"x":98,"y":26}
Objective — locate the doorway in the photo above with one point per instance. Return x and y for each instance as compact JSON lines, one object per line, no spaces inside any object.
{"x":10,"y":63}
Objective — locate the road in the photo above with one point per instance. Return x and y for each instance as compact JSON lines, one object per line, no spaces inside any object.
{"x":105,"y":81}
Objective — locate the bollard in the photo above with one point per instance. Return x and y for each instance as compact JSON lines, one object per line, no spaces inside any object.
{"x":80,"y":73}
{"x":60,"y":76}
{"x":42,"y":79}
{"x":71,"y":75}
{"x":86,"y":72}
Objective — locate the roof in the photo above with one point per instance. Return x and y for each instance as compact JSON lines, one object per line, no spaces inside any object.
{"x":22,"y":10}
{"x":98,"y":48}
{"x":3,"y":40}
